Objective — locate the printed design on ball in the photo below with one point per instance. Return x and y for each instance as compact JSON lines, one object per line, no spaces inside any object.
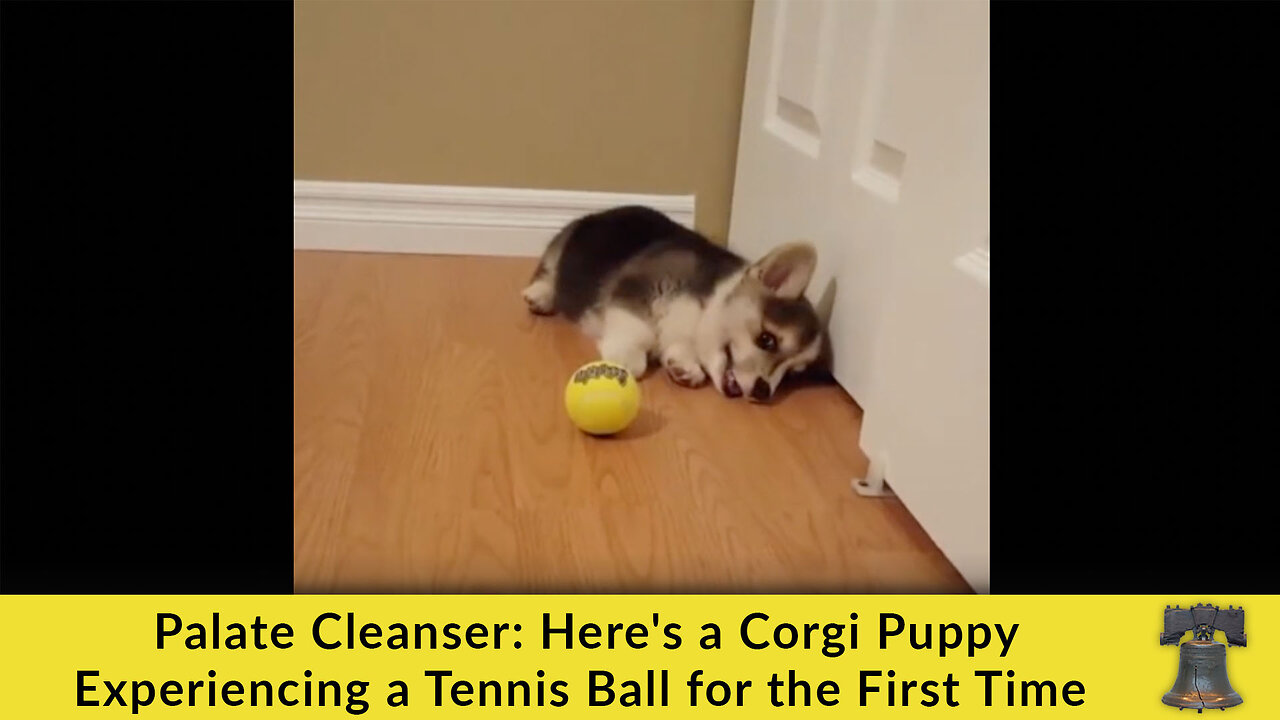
{"x":591,"y":372}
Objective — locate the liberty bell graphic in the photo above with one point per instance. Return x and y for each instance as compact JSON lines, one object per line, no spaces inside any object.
{"x":1202,"y":662}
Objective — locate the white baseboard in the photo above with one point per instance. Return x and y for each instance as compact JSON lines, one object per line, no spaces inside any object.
{"x":449,"y":220}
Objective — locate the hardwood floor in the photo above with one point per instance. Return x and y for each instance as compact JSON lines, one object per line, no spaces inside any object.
{"x":432,"y":454}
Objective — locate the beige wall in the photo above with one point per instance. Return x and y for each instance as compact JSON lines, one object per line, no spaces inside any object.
{"x":611,"y":95}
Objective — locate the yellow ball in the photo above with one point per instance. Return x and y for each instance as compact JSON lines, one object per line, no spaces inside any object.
{"x":602,"y":398}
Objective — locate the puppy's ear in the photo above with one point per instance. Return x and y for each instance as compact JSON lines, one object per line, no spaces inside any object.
{"x":786,"y":271}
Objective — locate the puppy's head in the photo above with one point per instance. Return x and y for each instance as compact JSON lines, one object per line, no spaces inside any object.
{"x":770,"y":329}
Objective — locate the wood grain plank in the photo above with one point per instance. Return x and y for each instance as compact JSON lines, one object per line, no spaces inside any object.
{"x":432,"y":454}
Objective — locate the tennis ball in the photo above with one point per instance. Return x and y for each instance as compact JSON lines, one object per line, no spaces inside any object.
{"x":602,"y":398}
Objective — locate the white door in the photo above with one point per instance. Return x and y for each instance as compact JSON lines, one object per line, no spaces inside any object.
{"x":865,"y":130}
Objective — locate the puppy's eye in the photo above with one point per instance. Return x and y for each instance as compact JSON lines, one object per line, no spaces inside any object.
{"x":766,"y":341}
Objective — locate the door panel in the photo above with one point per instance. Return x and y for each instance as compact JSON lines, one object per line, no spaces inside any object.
{"x":865,"y":130}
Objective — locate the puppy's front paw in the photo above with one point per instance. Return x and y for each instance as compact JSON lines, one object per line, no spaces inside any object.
{"x":684,"y":372}
{"x":635,"y":361}
{"x":540,"y":297}
{"x":637,"y":365}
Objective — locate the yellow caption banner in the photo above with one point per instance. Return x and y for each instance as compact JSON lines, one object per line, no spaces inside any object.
{"x":913,"y":656}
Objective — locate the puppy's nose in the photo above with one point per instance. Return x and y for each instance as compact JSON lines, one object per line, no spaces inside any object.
{"x":760,"y":391}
